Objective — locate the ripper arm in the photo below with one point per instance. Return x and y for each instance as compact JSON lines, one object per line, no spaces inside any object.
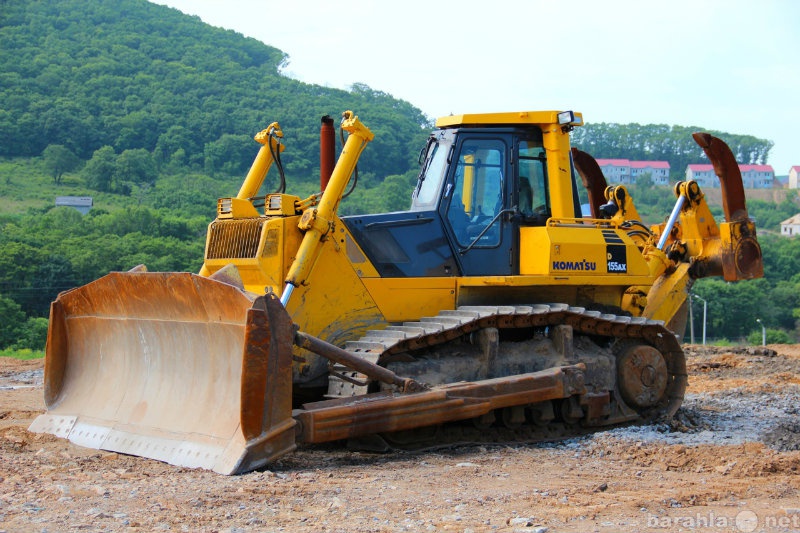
{"x":731,"y":249}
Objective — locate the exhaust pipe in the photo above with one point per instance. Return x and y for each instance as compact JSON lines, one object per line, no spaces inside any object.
{"x":327,"y":152}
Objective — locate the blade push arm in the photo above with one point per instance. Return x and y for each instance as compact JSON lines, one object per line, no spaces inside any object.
{"x":317,"y":222}
{"x":271,"y":144}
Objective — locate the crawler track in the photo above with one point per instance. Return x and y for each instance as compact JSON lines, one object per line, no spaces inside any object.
{"x":421,"y":341}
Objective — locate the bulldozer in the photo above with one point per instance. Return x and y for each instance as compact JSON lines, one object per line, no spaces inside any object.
{"x":519,"y":298}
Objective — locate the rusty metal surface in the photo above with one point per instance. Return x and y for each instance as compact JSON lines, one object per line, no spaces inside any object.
{"x":355,"y":362}
{"x":466,"y":319}
{"x":741,"y":254}
{"x":642,"y":375}
{"x":593,"y":179}
{"x":163,"y":365}
{"x":383,"y":412}
{"x":730,"y":178}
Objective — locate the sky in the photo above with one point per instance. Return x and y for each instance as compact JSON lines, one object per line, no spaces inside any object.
{"x":726,"y":65}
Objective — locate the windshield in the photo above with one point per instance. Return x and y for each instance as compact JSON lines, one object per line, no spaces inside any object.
{"x":430,"y":180}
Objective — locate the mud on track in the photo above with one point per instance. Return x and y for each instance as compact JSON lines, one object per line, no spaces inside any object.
{"x":728,"y":462}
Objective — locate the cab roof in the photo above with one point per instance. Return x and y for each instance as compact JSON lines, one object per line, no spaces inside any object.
{"x":510,"y":119}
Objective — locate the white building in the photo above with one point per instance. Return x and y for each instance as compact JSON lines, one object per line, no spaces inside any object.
{"x":791,"y":226}
{"x":625,"y":171}
{"x":703,"y":174}
{"x":81,"y":203}
{"x":794,"y":177}
{"x":658,"y":170}
{"x":616,"y":170}
{"x":753,"y":176}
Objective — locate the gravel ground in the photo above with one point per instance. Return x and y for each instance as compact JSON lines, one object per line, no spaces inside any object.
{"x":728,"y":462}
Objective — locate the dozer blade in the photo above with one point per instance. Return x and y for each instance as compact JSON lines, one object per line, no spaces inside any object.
{"x":170,"y":366}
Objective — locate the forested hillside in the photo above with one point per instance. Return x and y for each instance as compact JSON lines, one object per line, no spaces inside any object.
{"x":660,"y":142}
{"x":152,"y":113}
{"x":130,"y":75}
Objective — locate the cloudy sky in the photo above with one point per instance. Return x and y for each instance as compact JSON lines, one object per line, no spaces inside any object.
{"x":728,"y":65}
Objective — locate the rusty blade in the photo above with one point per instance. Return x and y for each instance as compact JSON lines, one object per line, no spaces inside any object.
{"x":158,"y":365}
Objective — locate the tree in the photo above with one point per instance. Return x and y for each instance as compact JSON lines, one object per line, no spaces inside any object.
{"x":32,"y":334}
{"x":100,"y":169}
{"x":664,"y":143}
{"x":136,"y":166}
{"x":11,"y":324}
{"x":174,"y":145}
{"x":231,"y":154}
{"x":58,"y":159}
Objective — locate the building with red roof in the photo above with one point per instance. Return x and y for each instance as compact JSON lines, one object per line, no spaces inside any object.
{"x":625,"y":171}
{"x":659,"y":171}
{"x":753,"y":176}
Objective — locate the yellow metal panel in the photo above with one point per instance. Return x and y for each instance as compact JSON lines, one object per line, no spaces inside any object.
{"x":333,"y":305}
{"x":668,"y":294}
{"x":358,"y":259}
{"x":408,"y":299}
{"x":519,"y":117}
{"x":559,"y":171}
{"x":235,"y":208}
{"x":264,"y":265}
{"x":541,"y":289}
{"x":577,"y":251}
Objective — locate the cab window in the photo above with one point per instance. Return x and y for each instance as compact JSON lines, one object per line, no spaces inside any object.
{"x":476,"y":195}
{"x":532,"y":192}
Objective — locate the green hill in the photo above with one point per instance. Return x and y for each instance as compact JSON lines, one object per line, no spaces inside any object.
{"x":134,"y":75}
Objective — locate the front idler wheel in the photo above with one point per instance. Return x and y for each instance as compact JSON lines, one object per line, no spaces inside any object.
{"x":642,"y":376}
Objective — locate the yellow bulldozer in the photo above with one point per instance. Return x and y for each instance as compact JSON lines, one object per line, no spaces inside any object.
{"x":497,"y":308}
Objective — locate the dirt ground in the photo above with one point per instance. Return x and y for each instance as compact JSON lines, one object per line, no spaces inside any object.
{"x":729,"y":462}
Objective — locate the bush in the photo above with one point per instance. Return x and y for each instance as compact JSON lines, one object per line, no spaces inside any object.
{"x":722,"y":342}
{"x":33,"y":334}
{"x":774,"y":336}
{"x":12,"y":322}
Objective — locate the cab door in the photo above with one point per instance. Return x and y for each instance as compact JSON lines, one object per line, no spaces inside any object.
{"x":476,"y":205}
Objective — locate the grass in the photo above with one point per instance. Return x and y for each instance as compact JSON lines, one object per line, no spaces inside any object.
{"x":25,"y":353}
{"x":25,"y":185}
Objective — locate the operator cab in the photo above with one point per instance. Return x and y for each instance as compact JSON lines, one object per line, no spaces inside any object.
{"x":478,"y":184}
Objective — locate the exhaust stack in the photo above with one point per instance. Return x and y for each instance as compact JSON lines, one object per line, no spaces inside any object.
{"x":327,"y":151}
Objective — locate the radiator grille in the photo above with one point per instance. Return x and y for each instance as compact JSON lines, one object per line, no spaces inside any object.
{"x":234,"y":239}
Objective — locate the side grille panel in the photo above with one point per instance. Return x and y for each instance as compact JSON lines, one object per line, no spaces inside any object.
{"x":234,"y":239}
